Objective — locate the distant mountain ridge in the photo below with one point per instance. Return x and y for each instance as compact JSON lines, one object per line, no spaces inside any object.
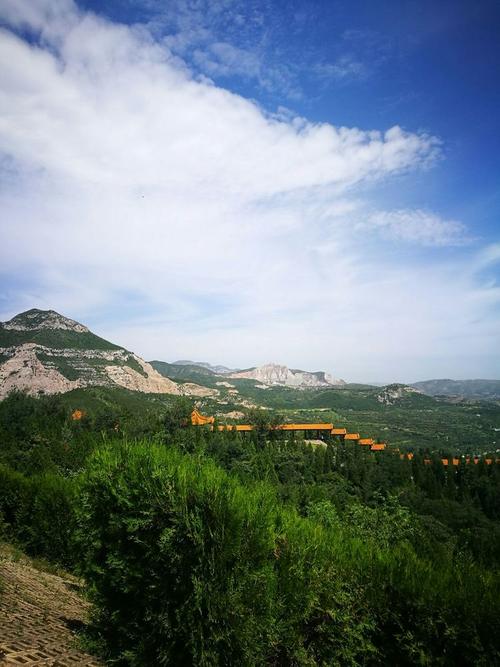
{"x":183,"y":372}
{"x":217,"y":369}
{"x":277,"y":374}
{"x":42,"y":351}
{"x":471,"y":389}
{"x":268,"y":375}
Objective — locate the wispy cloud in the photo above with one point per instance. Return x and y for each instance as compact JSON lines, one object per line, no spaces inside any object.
{"x":183,"y":220}
{"x":418,"y":226}
{"x":345,"y":67}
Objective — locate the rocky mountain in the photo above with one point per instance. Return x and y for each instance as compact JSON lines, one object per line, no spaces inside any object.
{"x":42,"y":351}
{"x":275,"y":374}
{"x":471,"y":389}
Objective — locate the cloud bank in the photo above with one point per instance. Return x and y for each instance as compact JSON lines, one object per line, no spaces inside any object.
{"x":183,"y":220}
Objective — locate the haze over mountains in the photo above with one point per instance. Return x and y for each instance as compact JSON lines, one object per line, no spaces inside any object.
{"x":42,"y":351}
{"x":480,"y":389}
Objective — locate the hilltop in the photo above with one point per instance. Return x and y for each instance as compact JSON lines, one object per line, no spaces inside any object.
{"x":42,"y":351}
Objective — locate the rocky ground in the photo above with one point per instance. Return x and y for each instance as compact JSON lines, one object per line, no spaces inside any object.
{"x":40,"y":614}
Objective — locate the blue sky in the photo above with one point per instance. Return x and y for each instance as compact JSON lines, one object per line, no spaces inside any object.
{"x":310,"y":183}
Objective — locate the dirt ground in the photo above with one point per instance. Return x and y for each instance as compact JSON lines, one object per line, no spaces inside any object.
{"x":39,"y":613}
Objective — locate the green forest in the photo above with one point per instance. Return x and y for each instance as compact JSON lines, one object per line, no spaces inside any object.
{"x":201,"y":547}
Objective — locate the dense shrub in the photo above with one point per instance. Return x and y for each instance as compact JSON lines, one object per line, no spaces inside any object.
{"x":189,"y":567}
{"x":38,"y":513}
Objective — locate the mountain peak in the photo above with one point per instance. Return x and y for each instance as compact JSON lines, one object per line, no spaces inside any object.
{"x":41,"y":351}
{"x":36,"y":320}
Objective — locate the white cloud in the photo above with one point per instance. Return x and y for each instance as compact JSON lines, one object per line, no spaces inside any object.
{"x":418,"y":226}
{"x":205,"y":227}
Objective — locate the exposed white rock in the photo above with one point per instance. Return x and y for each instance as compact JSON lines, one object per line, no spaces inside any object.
{"x":151,"y":383}
{"x":71,"y":353}
{"x":24,"y":371}
{"x":393,"y":393}
{"x":234,"y":414}
{"x":276,"y":374}
{"x":191,"y":389}
{"x":32,"y":321}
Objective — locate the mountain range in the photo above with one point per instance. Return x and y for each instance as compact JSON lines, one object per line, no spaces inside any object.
{"x":42,"y":351}
{"x":471,"y":389}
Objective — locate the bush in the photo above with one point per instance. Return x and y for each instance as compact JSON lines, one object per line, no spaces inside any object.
{"x":186,"y":566}
{"x":38,"y":513}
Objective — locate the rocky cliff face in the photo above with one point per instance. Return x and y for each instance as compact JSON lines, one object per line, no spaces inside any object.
{"x":275,"y":374}
{"x":44,"y":352}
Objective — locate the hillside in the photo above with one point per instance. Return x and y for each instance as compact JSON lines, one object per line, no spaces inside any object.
{"x":472,"y":389}
{"x":42,"y":351}
{"x":183,"y":371}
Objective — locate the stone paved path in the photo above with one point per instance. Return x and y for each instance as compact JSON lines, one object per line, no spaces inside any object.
{"x":38,"y":615}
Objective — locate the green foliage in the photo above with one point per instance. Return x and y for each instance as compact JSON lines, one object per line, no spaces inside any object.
{"x":188,"y":566}
{"x":55,"y":338}
{"x":38,"y":513}
{"x":186,"y":372}
{"x":254,"y":548}
{"x":39,"y":434}
{"x":178,"y":415}
{"x":413,"y":421}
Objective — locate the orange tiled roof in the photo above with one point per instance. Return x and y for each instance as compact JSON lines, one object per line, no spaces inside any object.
{"x":351,"y":436}
{"x":365,"y":441}
{"x":198,"y":419}
{"x":305,"y":427}
{"x":378,"y":446}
